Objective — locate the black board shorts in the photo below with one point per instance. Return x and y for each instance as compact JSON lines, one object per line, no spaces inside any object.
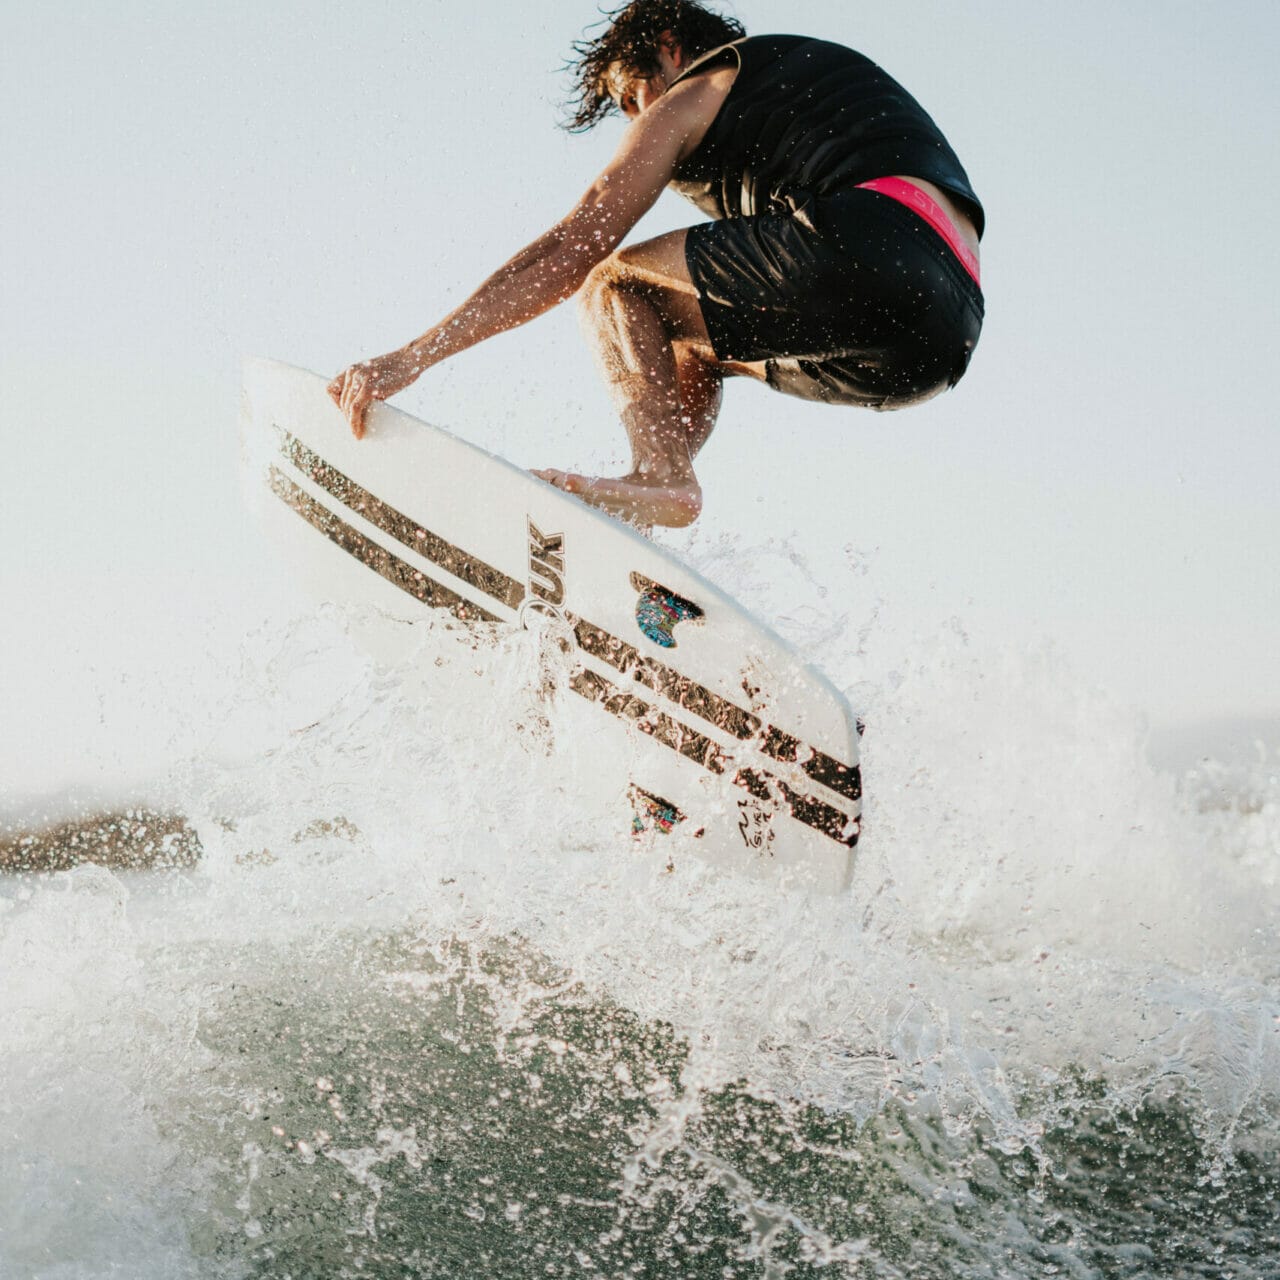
{"x":849,"y":299}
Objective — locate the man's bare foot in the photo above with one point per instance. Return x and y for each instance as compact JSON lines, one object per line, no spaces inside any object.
{"x":639,"y":501}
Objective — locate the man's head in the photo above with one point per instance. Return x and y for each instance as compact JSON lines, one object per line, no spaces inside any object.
{"x":644,"y":46}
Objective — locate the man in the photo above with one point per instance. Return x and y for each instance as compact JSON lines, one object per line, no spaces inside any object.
{"x":841,"y":264}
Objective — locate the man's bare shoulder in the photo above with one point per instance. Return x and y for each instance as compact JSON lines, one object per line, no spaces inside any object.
{"x":695,"y":102}
{"x":713,"y":84}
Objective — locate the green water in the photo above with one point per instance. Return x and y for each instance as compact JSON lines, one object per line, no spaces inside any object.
{"x":427,"y":1108}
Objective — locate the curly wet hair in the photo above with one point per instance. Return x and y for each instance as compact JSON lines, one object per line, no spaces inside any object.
{"x":631,"y":41}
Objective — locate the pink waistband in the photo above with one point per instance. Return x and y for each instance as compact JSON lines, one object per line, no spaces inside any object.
{"x":932,"y":212}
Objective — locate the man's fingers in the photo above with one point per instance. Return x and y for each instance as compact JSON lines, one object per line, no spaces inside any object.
{"x":356,"y":409}
{"x":357,"y":416}
{"x":340,"y":390}
{"x":356,"y":388}
{"x":568,"y":481}
{"x":353,"y":395}
{"x":350,"y":393}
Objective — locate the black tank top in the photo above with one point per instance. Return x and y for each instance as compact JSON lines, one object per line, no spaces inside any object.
{"x":807,"y":118}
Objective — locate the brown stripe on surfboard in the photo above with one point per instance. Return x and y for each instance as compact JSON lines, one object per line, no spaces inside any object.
{"x":476,"y":573}
{"x":812,"y":812}
{"x":625,"y":658}
{"x":671,"y":684}
{"x":396,"y":571}
{"x":843,"y":778}
{"x":718,"y":711}
{"x":822,"y":817}
{"x":671,"y":733}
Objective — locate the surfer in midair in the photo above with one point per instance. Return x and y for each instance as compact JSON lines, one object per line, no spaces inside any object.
{"x":840,"y":264}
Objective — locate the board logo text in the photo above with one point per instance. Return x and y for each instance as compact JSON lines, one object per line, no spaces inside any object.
{"x":546,"y":565}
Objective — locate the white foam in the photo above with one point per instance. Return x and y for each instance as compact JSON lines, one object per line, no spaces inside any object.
{"x":1030,"y":898}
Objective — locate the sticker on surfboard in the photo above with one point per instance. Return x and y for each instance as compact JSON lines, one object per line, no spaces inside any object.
{"x":654,"y":813}
{"x":659,"y":610}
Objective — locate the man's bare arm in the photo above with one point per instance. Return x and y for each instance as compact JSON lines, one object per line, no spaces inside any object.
{"x":554,"y":266}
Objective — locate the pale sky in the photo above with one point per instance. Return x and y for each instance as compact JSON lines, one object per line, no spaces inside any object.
{"x":187,"y":184}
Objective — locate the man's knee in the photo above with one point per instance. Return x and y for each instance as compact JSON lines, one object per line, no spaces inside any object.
{"x":614,"y":272}
{"x":602,"y":280}
{"x":629,"y":274}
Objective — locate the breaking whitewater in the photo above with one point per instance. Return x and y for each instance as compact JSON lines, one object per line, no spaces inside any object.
{"x":398,"y":995}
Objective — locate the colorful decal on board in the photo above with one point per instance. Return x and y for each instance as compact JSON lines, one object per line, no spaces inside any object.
{"x":653,"y":813}
{"x":660,"y":610}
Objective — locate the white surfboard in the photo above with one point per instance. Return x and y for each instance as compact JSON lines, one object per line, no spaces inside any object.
{"x":733,"y":746}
